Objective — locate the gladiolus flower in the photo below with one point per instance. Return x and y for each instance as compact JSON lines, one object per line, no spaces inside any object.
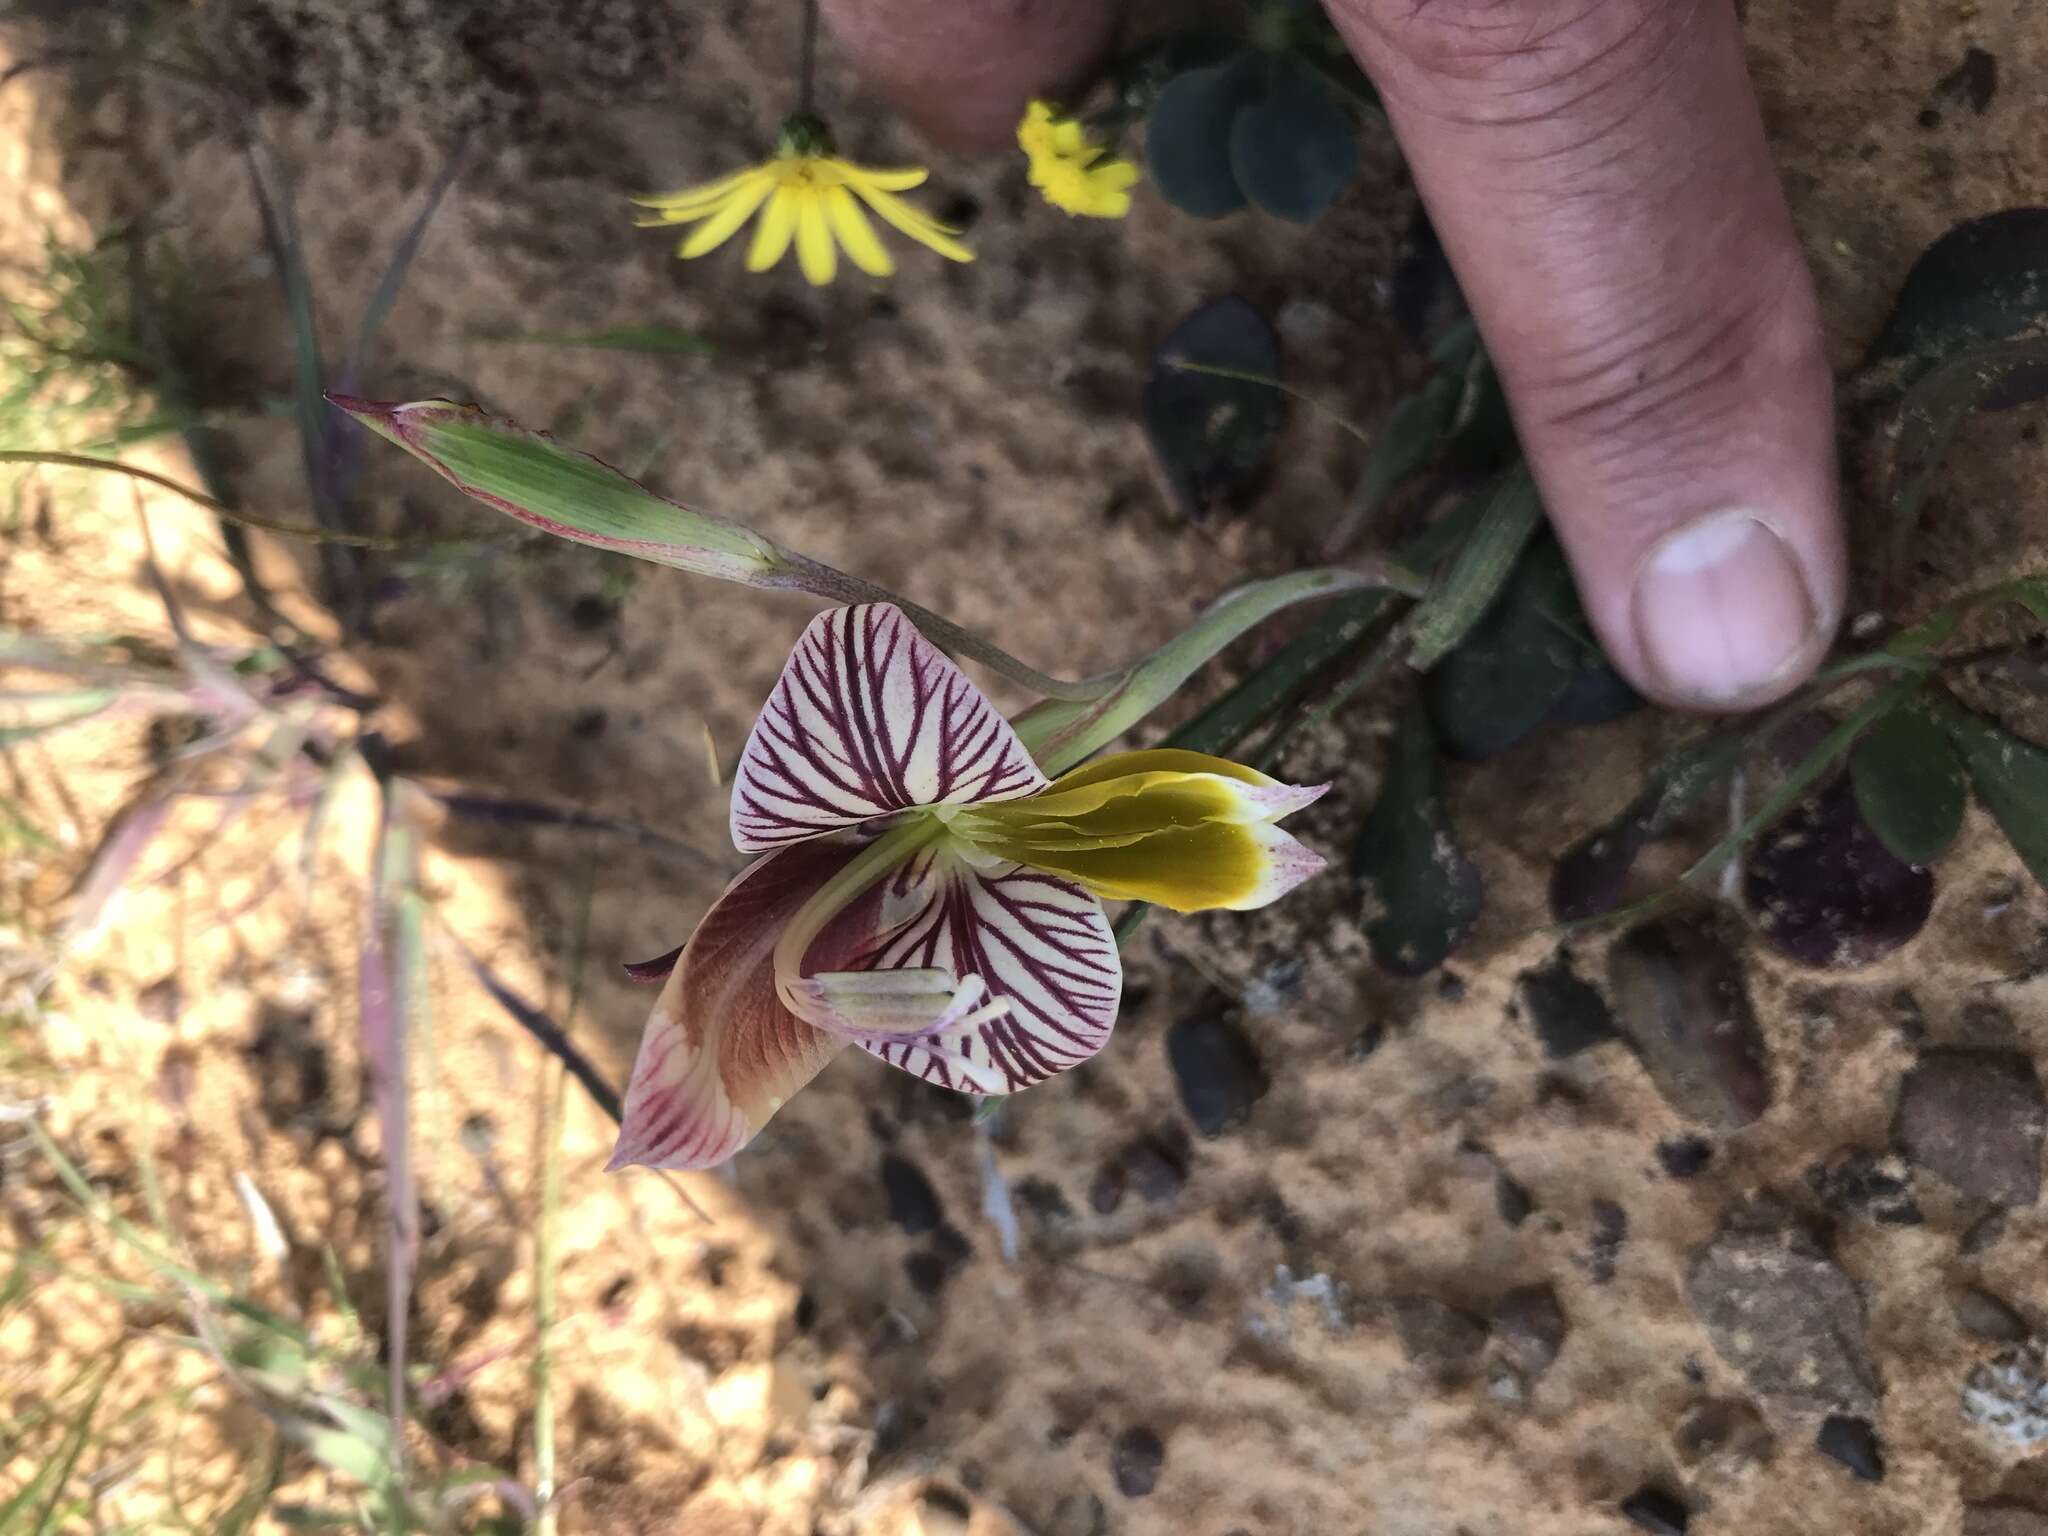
{"x":926,"y":893}
{"x":809,"y":197}
{"x":1072,"y":171}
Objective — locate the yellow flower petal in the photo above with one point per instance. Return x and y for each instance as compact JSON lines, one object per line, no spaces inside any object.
{"x":895,"y":180}
{"x":856,"y":234}
{"x":814,"y":252}
{"x":772,"y":235}
{"x":704,"y":192}
{"x":920,"y":226}
{"x":739,"y":207}
{"x":1181,"y":829}
{"x":1233,"y":866}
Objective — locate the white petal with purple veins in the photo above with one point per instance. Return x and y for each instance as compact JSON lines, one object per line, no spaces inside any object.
{"x":868,"y":718}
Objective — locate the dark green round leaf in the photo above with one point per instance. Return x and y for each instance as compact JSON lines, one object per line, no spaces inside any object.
{"x":1293,"y":148}
{"x":1187,"y":141}
{"x":1214,"y":435}
{"x":1985,"y":281}
{"x":2011,"y":778}
{"x":1519,"y":661}
{"x":1423,"y":894}
{"x":1909,"y":785}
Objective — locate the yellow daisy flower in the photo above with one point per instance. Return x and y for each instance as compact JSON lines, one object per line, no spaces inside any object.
{"x":1073,"y":172}
{"x":805,"y":196}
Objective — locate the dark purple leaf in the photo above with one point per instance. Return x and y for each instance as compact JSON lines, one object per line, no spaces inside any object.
{"x":1826,"y":890}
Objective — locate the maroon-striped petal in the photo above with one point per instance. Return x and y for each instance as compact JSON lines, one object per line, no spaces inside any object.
{"x":721,"y":1053}
{"x":1040,"y":945}
{"x":868,"y":718}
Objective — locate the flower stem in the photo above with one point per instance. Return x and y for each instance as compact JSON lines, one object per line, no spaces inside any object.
{"x":807,"y":61}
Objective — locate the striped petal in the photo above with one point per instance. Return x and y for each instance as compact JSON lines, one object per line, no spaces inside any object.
{"x":855,"y":234}
{"x":985,"y":978}
{"x":1178,"y":829}
{"x":721,"y":1053}
{"x":866,"y":720}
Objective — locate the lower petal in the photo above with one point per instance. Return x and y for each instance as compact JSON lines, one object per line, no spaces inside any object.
{"x":814,"y":251}
{"x":982,"y":979}
{"x":772,"y":234}
{"x":721,"y":1053}
{"x":855,"y":234}
{"x":735,"y":211}
{"x":921,"y":227}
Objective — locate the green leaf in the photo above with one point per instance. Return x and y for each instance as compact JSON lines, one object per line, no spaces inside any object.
{"x":1983,"y":282}
{"x":1935,"y":409}
{"x":1293,"y":149}
{"x":656,"y":340}
{"x":2010,"y":776}
{"x":1187,"y":141}
{"x":1423,"y":894}
{"x":1214,"y":434}
{"x":1481,"y":570}
{"x":1909,"y":785}
{"x":1517,"y":663}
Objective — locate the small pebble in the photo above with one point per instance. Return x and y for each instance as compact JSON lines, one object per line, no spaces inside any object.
{"x":1529,"y":1327}
{"x":1982,"y":1314}
{"x":1658,"y":1513}
{"x":913,"y":1203}
{"x":1513,"y":1199}
{"x":1610,"y":1231}
{"x":1136,"y":1459}
{"x":1781,"y":1313}
{"x":1976,"y":1118}
{"x":1680,"y":997}
{"x":1853,"y":1443}
{"x":1444,"y":1342}
{"x":1568,"y":1012}
{"x":1217,"y":1069}
{"x":2009,"y":1397}
{"x":1685,"y":1158}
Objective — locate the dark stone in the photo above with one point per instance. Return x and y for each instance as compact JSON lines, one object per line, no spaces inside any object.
{"x":1512,"y":1198}
{"x":1728,"y":1427}
{"x":1529,"y":1327}
{"x":1610,"y":1231}
{"x":1858,"y":1184}
{"x":1044,"y":1208}
{"x":927,"y":1272}
{"x":1679,"y":997}
{"x":1655,"y":1512}
{"x":1217,"y":1067}
{"x":1156,"y":1168}
{"x":1106,"y":1192}
{"x":913,"y":1203}
{"x":1971,"y":83}
{"x":1685,"y":1158}
{"x":1784,"y":1316}
{"x":1136,"y":1458}
{"x":588,"y":724}
{"x":1976,"y":1118}
{"x":591,"y":611}
{"x":1568,"y":1012}
{"x":1437,"y":1337}
{"x":1853,"y":1443}
{"x":1366,"y":1041}
{"x":1985,"y":1316}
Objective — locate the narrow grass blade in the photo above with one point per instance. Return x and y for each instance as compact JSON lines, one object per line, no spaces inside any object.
{"x":1479,"y":572}
{"x":553,"y":1039}
{"x":488,"y":809}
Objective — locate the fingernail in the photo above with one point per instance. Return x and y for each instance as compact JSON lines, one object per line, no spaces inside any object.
{"x":1722,"y":609}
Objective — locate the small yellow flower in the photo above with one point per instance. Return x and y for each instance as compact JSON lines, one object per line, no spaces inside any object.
{"x":1073,"y":172}
{"x":806,"y":196}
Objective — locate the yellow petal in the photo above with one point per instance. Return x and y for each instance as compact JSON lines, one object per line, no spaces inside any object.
{"x":772,"y":235}
{"x":856,"y":234}
{"x":814,"y":252}
{"x":1232,"y":866}
{"x":704,"y":192}
{"x":894,"y":180}
{"x":1181,"y":829}
{"x":720,"y":227}
{"x":920,"y":226}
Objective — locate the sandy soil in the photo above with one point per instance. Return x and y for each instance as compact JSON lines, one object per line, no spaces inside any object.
{"x":1279,"y":1328}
